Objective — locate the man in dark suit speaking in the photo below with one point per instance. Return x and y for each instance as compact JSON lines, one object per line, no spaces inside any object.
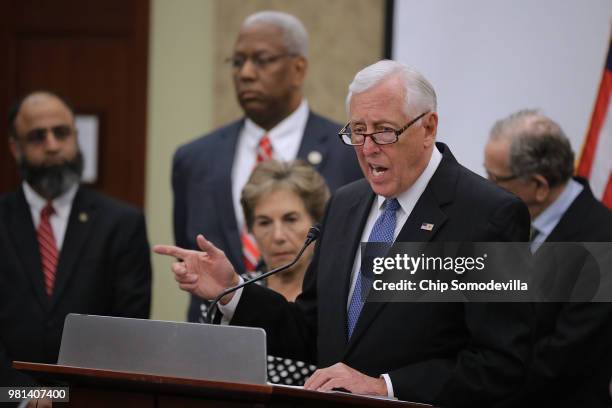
{"x":269,"y":64}
{"x":63,"y":248}
{"x":450,"y":354}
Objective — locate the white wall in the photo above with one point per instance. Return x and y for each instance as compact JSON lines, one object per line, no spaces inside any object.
{"x":488,"y":58}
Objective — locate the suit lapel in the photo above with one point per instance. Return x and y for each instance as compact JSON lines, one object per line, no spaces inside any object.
{"x":439,"y":191}
{"x":223,"y":191}
{"x":342,"y":265}
{"x":314,"y":144}
{"x":21,"y":229}
{"x":568,"y":229}
{"x":426,"y":214}
{"x":80,"y":222}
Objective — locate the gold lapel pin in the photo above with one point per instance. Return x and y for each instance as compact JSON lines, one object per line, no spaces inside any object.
{"x":83,"y":217}
{"x":315,"y":157}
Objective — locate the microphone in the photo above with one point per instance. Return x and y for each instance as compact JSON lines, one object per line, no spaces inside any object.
{"x":312,"y":236}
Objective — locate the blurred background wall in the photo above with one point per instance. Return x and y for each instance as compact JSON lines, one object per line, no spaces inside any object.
{"x":180,"y":107}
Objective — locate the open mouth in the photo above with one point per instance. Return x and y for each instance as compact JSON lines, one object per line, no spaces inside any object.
{"x":377,"y":171}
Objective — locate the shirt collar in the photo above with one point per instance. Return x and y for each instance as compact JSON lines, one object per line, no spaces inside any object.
{"x":408,"y":199}
{"x":285,"y":128}
{"x":549,"y":218}
{"x":61,"y":204}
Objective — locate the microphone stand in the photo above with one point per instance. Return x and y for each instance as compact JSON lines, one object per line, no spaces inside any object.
{"x":312,"y":236}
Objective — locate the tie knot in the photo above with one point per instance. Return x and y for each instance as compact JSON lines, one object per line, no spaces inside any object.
{"x":392,"y":205}
{"x":47,"y":211}
{"x":264,"y":149}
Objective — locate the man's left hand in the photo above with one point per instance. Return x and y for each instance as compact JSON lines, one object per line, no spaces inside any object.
{"x":341,"y":376}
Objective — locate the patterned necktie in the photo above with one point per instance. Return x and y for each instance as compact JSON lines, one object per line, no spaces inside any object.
{"x":47,"y":247}
{"x":264,"y":149}
{"x":250,"y":252}
{"x":383,"y":230}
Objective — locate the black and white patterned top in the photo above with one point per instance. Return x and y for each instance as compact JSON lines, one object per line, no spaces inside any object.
{"x":284,"y":371}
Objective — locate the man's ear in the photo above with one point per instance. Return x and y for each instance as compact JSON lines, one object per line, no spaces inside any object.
{"x":430,"y":123}
{"x":542,"y":188}
{"x":15,"y":149}
{"x":300,"y":66}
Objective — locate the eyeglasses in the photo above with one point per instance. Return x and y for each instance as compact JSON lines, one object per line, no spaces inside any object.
{"x":39,"y":135}
{"x":259,"y":61}
{"x":355,"y":137}
{"x":500,"y":179}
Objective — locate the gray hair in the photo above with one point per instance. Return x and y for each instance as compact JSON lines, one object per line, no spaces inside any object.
{"x":418,"y":91}
{"x":297,"y":176}
{"x":537,"y":145}
{"x":294,"y":32}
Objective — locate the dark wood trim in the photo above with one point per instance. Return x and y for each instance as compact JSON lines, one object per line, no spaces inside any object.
{"x":388,"y":28}
{"x":163,"y":386}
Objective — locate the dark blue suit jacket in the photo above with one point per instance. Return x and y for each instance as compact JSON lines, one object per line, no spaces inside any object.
{"x":448,"y":354}
{"x":202,"y":184}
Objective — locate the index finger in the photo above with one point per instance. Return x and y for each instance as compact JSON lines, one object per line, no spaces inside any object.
{"x":171,"y":250}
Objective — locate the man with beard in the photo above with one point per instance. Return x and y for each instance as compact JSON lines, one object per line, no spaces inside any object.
{"x":63,"y":248}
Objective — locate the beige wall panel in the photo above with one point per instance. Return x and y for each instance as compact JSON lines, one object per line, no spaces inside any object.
{"x":180,"y":108}
{"x":345,"y":36}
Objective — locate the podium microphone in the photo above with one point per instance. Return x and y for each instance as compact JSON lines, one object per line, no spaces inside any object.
{"x":312,"y":236}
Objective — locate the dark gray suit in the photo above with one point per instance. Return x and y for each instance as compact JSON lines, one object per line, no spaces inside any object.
{"x":201,"y":180}
{"x":104,"y":268}
{"x":572,"y":357}
{"x":449,"y":354}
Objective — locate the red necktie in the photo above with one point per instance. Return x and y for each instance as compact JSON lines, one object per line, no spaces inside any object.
{"x":250,"y":252}
{"x":264,"y":149}
{"x":48,"y":248}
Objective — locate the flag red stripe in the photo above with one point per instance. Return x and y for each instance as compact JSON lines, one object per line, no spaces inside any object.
{"x":607,"y":196}
{"x":597,"y":121}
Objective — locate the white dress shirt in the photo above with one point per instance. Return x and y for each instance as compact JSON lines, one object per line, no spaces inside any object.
{"x":62,"y":206}
{"x":407,"y":201}
{"x":286,"y":138}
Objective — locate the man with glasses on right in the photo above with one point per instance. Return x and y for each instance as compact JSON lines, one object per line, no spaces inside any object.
{"x":529,"y":155}
{"x":268,"y":66}
{"x":448,"y":354}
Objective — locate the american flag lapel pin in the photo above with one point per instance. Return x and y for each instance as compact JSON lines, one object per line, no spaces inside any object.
{"x":427,"y":226}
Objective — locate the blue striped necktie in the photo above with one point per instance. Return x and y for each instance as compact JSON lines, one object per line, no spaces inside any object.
{"x":383,"y":230}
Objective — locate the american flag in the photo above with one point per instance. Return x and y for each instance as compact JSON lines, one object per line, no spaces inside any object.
{"x":595,"y":161}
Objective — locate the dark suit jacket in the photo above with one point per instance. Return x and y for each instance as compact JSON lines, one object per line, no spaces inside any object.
{"x":201,"y":180}
{"x":450,"y":354}
{"x":104,"y":269}
{"x":572,"y":360}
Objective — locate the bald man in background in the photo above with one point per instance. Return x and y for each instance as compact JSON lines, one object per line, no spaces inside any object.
{"x":529,"y":155}
{"x":63,"y":248}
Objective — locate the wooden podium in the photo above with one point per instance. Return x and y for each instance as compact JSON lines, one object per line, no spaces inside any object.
{"x":103,"y":388}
